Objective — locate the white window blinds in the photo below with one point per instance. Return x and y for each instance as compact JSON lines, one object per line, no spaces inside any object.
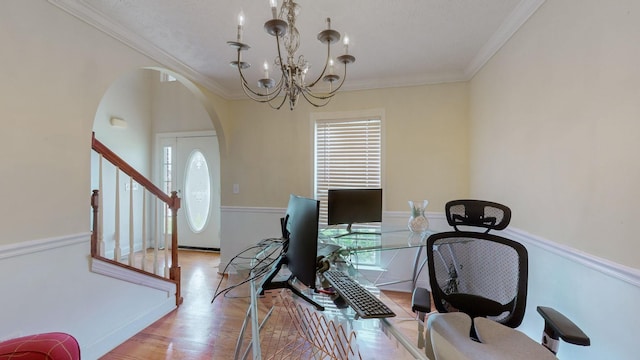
{"x":347,"y":155}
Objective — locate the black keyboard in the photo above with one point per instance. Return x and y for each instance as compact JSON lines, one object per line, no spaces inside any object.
{"x":360,"y":299}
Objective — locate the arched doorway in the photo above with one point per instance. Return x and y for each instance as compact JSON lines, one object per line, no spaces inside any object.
{"x":148,"y":104}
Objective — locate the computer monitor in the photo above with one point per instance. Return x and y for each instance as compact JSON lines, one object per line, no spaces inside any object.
{"x":300,"y":227}
{"x":352,"y":206}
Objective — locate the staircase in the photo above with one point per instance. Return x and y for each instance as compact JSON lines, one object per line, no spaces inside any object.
{"x":134,"y":227}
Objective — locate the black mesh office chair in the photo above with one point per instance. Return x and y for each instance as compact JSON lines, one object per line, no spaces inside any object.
{"x":465,"y":213}
{"x":479,"y":287}
{"x":479,"y":274}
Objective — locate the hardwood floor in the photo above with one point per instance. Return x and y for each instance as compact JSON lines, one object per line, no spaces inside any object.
{"x":199,"y":329}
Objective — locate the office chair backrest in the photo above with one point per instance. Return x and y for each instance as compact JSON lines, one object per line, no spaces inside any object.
{"x":479,"y":274}
{"x":478,"y":213}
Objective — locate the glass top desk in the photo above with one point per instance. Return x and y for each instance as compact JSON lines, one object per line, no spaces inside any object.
{"x":368,"y":249}
{"x":399,"y":337}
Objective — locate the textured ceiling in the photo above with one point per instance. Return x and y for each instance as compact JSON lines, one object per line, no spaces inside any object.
{"x":395,"y":42}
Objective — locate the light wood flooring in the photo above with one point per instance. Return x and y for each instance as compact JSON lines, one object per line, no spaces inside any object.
{"x":199,"y":329}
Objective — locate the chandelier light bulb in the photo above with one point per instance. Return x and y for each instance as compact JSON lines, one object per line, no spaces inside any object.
{"x":274,"y":8}
{"x":266,"y":69}
{"x":240,"y":25}
{"x":345,"y":41}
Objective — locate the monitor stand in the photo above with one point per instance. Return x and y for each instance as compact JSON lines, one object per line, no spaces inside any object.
{"x":269,"y":284}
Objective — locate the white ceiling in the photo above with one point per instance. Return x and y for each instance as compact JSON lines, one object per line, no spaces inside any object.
{"x":395,"y":42}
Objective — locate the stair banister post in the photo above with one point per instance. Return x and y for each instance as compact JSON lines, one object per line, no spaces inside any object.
{"x":174,"y":271}
{"x":94,"y":235}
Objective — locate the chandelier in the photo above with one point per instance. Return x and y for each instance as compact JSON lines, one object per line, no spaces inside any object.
{"x":293,"y":68}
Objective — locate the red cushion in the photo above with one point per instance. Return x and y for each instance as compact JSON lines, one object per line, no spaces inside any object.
{"x":47,"y":346}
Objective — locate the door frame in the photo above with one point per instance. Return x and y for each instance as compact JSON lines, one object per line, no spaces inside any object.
{"x":156,"y":168}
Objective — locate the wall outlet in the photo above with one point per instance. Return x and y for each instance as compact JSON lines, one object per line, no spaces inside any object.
{"x":236,"y":188}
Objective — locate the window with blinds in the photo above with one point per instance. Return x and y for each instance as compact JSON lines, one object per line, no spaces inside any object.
{"x":347,"y":156}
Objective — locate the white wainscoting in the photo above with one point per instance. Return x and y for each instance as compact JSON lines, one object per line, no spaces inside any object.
{"x":243,"y":227}
{"x":600,"y":296}
{"x":51,"y":288}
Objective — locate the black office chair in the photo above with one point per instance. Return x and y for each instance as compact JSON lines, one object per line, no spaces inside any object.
{"x":468,"y":214}
{"x":480,"y":274}
{"x":479,"y":287}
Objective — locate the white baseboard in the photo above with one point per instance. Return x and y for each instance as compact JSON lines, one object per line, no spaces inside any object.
{"x":126,"y":331}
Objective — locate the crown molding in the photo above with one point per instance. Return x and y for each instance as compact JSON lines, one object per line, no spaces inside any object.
{"x":93,"y":17}
{"x":511,"y":24}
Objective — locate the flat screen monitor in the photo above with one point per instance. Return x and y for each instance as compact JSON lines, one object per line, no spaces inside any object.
{"x":302,"y":226}
{"x":300,"y":231}
{"x":353,"y":206}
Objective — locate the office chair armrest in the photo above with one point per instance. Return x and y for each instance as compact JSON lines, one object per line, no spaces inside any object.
{"x":421,"y":302}
{"x":558,"y":326}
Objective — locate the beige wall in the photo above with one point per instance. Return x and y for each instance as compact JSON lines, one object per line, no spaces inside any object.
{"x":176,"y":109}
{"x":555,"y":131}
{"x":425,"y":146}
{"x":55,"y":70}
{"x":129,"y":98}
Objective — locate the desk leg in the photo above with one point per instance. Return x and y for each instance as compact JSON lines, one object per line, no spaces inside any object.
{"x":252,"y":315}
{"x":418,"y":269}
{"x":255,"y":329}
{"x":408,"y":345}
{"x":414,"y":277}
{"x":241,"y":335}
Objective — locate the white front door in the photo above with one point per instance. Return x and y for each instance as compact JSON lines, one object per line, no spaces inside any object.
{"x":195,"y":175}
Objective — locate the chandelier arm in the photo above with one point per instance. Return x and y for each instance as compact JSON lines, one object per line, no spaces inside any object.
{"x":326,"y":63}
{"x":321,"y":96}
{"x":270,"y":94}
{"x":246,"y":87}
{"x":284,"y":98}
{"x":344,"y":77}
{"x":328,"y":95}
{"x":262,"y":98}
{"x":310,"y":100}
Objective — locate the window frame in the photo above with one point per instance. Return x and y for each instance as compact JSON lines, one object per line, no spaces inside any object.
{"x":373,"y":257}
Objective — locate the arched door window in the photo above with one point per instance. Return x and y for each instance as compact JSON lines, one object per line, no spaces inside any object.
{"x":197,"y":187}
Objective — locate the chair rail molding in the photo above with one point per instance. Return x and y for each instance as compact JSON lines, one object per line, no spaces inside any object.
{"x":607,"y":267}
{"x":33,"y":246}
